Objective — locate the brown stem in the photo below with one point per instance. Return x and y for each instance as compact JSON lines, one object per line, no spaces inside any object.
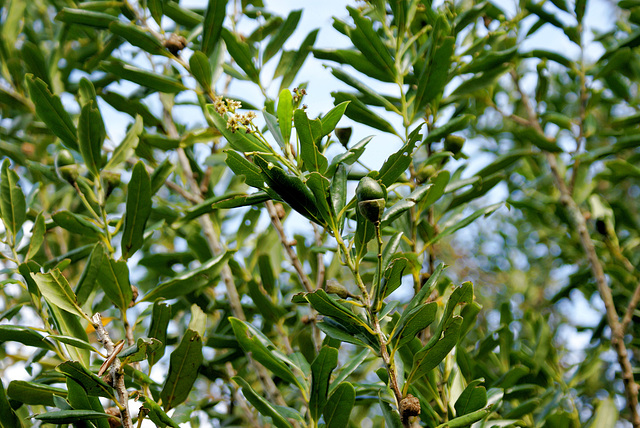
{"x":320,"y":277}
{"x":117,"y":375}
{"x":293,"y":257}
{"x":617,"y":332}
{"x":633,"y":304}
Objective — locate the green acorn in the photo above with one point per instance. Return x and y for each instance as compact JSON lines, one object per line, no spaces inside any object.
{"x":371,"y":199}
{"x":111,"y":180}
{"x":66,"y":167}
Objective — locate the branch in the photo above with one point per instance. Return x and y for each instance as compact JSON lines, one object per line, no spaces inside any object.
{"x":117,"y":375}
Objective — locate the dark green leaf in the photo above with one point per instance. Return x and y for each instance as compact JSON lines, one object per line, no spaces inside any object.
{"x":212,"y":27}
{"x":70,"y":416}
{"x":398,"y":162}
{"x":160,"y":175}
{"x":372,"y":96}
{"x":156,"y":8}
{"x":114,"y":279}
{"x":330,"y":120}
{"x":13,"y":204}
{"x":181,"y":15}
{"x":137,"y":210}
{"x":427,"y":359}
{"x":157,"y":415}
{"x":160,"y":317}
{"x":537,"y":139}
{"x":241,"y":200}
{"x":280,"y":37}
{"x":35,"y":62}
{"x":240,"y":52}
{"x":69,"y":325}
{"x":467,"y":420}
{"x":354,"y":59}
{"x":148,"y":79}
{"x":33,"y":393}
{"x":76,"y":223}
{"x":94,"y":385}
{"x":474,"y":397}
{"x":285,"y":113}
{"x":449,"y":229}
{"x":132,"y":107}
{"x":448,"y":128}
{"x":138,"y":37}
{"x":365,"y":231}
{"x":263,"y":406}
{"x":263,"y":302}
{"x":201,"y":69}
{"x":88,"y":279}
{"x":261,"y":353}
{"x":359,"y":112}
{"x":50,"y":110}
{"x":391,"y":417}
{"x":37,"y":235}
{"x":69,"y":340}
{"x":337,"y":411}
{"x":338,"y":191}
{"x":241,"y":166}
{"x":55,"y":288}
{"x":370,"y":44}
{"x":405,"y":204}
{"x":272,"y":124}
{"x":24,"y":335}
{"x":85,"y":17}
{"x":350,"y":156}
{"x":321,"y":369}
{"x":297,"y":59}
{"x":239,"y":140}
{"x":91,"y":135}
{"x":414,"y":322}
{"x":8,"y":418}
{"x":434,"y":75}
{"x":183,"y":370}
{"x":391,"y":279}
{"x":189,"y":281}
{"x":310,"y":134}
{"x":142,"y":349}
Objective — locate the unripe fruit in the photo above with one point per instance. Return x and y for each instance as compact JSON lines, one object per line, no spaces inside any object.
{"x":111,"y":180}
{"x":425,"y":173}
{"x":453,"y":143}
{"x":371,"y":199}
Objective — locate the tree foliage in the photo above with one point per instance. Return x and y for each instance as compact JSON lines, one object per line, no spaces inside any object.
{"x":154,"y":274}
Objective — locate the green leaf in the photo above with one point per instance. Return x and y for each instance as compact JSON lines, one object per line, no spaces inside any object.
{"x":37,"y":235}
{"x":201,"y":69}
{"x":25,"y":335}
{"x":212,"y":27}
{"x":321,"y":369}
{"x":55,"y":288}
{"x":337,"y":411}
{"x":126,"y":148}
{"x":453,"y":125}
{"x":133,"y":107}
{"x":356,"y":60}
{"x":469,"y":419}
{"x":114,"y":279}
{"x":69,"y":324}
{"x":326,"y":305}
{"x":365,"y":38}
{"x":272,"y":125}
{"x":242,"y":200}
{"x":239,"y":140}
{"x":350,"y":156}
{"x":398,"y":162}
{"x":474,"y":397}
{"x":434,"y":75}
{"x":419,"y":298}
{"x":391,"y":279}
{"x":157,"y":415}
{"x":478,"y":82}
{"x":284,"y":32}
{"x":285,"y":114}
{"x":330,"y":120}
{"x":427,"y":358}
{"x":91,"y":134}
{"x":13,"y":204}
{"x":605,"y":415}
{"x":489,"y":60}
{"x":290,"y":188}
{"x":263,"y":302}
{"x":538,"y":139}
{"x":365,"y":231}
{"x":358,"y":111}
{"x":338,"y":191}
{"x":404,"y":204}
{"x":148,"y":79}
{"x":85,"y":17}
{"x":449,"y":229}
{"x":142,"y":349}
{"x":319,"y":185}
{"x":8,"y":418}
{"x":13,"y":22}
{"x":138,"y":37}
{"x":91,"y":383}
{"x":137,"y":211}
{"x":297,"y":59}
{"x":413,"y":323}
{"x":50,"y":110}
{"x":241,"y":166}
{"x":73,"y":341}
{"x":35,"y":62}
{"x":310,"y":134}
{"x":156,"y":9}
{"x":263,"y":406}
{"x":261,"y":353}
{"x":373,"y":97}
{"x":189,"y":281}
{"x":185,"y":361}
{"x":240,"y":52}
{"x":76,"y":223}
{"x":391,"y":418}
{"x":160,"y":175}
{"x":88,"y":279}
{"x":70,"y":416}
{"x":33,"y":393}
{"x":181,"y":15}
{"x":160,"y":317}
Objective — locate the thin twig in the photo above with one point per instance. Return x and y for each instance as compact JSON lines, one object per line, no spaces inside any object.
{"x":117,"y":376}
{"x":633,"y":304}
{"x":293,"y":257}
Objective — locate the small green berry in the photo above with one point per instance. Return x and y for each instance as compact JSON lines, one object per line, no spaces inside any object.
{"x":66,"y":167}
{"x":371,"y":199}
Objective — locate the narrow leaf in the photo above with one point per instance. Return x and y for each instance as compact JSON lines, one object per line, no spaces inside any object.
{"x":33,"y":392}
{"x":93,"y":384}
{"x":114,"y":279}
{"x":148,"y":79}
{"x":263,"y":406}
{"x":240,"y":52}
{"x":55,"y":288}
{"x":8,"y":418}
{"x":13,"y":204}
{"x":337,"y":411}
{"x":321,"y":369}
{"x":212,"y":27}
{"x":24,"y":335}
{"x":284,"y":32}
{"x":37,"y":235}
{"x":138,"y":37}
{"x":126,"y":148}
{"x":70,"y":416}
{"x":427,"y":359}
{"x":183,"y":370}
{"x":76,"y":223}
{"x":50,"y":110}
{"x":285,"y":113}
{"x":137,"y":210}
{"x":201,"y":69}
{"x":91,"y":134}
{"x":310,"y":134}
